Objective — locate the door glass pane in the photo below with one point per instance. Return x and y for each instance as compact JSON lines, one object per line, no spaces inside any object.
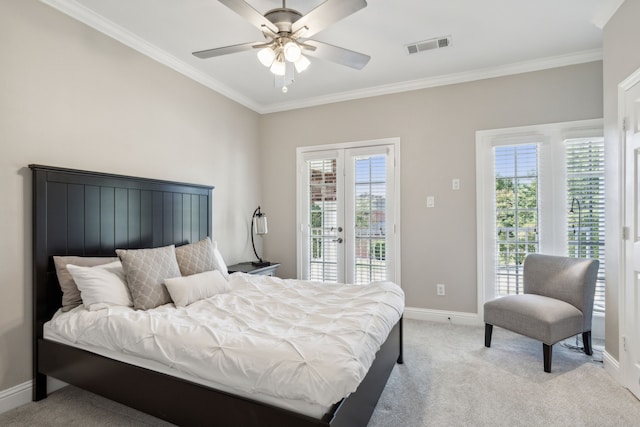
{"x":323,"y":220}
{"x":370,"y":218}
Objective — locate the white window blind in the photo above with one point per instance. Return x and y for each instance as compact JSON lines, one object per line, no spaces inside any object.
{"x":323,"y":220}
{"x":370,"y":206}
{"x":585,"y":196}
{"x":516,"y":213}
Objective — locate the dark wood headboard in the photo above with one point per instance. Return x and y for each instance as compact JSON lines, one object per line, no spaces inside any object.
{"x":91,"y":214}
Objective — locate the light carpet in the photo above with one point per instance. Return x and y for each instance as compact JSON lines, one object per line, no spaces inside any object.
{"x":448,"y":379}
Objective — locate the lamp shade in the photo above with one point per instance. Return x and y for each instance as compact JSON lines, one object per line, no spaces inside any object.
{"x":302,"y":63}
{"x":266,"y":56}
{"x":292,"y":51}
{"x":260,"y":224}
{"x":278,"y":68}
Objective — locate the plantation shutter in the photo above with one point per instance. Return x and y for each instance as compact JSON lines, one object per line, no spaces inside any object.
{"x":516,"y":213}
{"x":585,"y":196}
{"x":517,"y":174}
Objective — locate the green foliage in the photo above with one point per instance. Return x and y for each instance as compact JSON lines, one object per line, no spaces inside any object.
{"x":516,"y":218}
{"x":380,"y":250}
{"x":366,"y":204}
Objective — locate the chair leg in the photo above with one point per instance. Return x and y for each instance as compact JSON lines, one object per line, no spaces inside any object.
{"x":586,"y":342}
{"x":547,"y":350}
{"x":488,"y":329}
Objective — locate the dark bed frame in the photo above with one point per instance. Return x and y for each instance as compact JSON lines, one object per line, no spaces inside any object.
{"x":91,"y":214}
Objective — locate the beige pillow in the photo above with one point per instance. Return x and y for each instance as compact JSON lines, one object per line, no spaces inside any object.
{"x":70,"y":293}
{"x":196,"y":257}
{"x":199,"y":257}
{"x":146,"y":271}
{"x":189,"y":289}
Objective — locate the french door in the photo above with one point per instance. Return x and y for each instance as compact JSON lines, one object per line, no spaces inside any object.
{"x":347,"y":210}
{"x":630,"y":307}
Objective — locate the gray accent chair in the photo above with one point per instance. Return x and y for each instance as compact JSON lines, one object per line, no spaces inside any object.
{"x":557,"y":303}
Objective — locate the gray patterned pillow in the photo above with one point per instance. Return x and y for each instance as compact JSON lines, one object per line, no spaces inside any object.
{"x":196,"y":257}
{"x":70,"y":293}
{"x":146,"y":270}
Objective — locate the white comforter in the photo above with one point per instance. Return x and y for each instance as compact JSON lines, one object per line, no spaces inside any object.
{"x":285,"y":338}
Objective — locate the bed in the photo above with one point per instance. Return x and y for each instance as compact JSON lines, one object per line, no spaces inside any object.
{"x":91,"y":214}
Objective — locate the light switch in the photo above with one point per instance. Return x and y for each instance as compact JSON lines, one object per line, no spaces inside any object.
{"x":431,"y":201}
{"x":455,"y":184}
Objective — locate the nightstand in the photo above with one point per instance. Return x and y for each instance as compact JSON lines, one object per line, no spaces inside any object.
{"x":247,"y":267}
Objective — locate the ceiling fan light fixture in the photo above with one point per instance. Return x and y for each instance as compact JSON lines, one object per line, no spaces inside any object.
{"x":292,"y":51}
{"x":278,"y":68}
{"x":266,"y":56}
{"x":282,"y":29}
{"x":302,"y":64}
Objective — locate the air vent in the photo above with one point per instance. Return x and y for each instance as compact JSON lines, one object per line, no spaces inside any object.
{"x":422,"y":46}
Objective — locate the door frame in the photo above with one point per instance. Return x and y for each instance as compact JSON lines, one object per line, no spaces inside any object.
{"x":624,"y":334}
{"x":395,"y":230}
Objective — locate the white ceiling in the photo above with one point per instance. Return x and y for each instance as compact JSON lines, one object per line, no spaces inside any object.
{"x":489,"y":38}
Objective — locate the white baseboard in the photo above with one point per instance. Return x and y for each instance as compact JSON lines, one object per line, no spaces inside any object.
{"x":15,"y":396}
{"x":454,"y":317}
{"x":612,"y":366}
{"x":21,"y":394}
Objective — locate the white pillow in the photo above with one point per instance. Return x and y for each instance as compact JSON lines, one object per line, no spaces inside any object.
{"x":189,"y":289}
{"x":219,"y":262}
{"x":101,"y":286}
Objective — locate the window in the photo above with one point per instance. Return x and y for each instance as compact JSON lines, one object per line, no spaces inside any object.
{"x":541,"y":189}
{"x":585,"y":196}
{"x":516,"y":212}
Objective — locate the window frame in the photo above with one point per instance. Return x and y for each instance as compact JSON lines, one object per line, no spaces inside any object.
{"x":552,"y":188}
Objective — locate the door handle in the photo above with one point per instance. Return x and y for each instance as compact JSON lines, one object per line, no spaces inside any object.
{"x":339,"y":240}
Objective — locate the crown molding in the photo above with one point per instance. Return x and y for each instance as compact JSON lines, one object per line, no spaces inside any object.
{"x":124,"y":36}
{"x":79,"y":12}
{"x":443,"y":80}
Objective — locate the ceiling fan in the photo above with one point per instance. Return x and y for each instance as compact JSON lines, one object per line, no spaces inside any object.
{"x":286,"y":32}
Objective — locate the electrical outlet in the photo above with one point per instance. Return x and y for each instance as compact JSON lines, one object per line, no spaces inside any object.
{"x":431,"y":201}
{"x":440,"y":290}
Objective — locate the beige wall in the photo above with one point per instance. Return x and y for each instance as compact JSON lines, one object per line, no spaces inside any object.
{"x":437,"y":130}
{"x":72,"y":97}
{"x":621,"y":58}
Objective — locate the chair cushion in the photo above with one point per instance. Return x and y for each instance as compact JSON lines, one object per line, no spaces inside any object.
{"x":545,"y":319}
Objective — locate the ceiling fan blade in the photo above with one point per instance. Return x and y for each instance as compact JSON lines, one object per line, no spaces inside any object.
{"x":245,"y":10}
{"x":337,"y":54}
{"x":219,"y":51}
{"x":327,"y":13}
